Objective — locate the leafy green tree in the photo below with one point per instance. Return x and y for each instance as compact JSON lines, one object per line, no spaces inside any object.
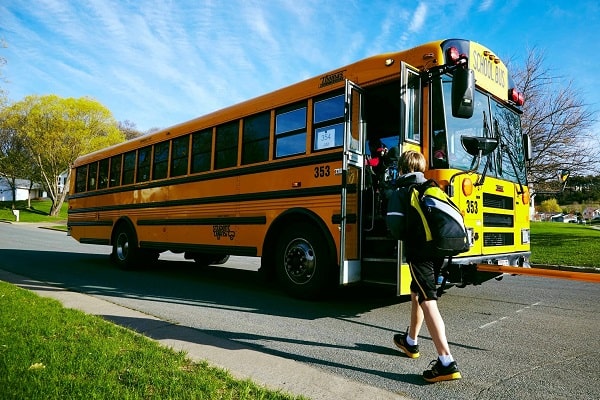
{"x":15,"y":161}
{"x":56,"y":131}
{"x":549,"y":206}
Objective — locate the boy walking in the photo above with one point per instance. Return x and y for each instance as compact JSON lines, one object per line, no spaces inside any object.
{"x":424,"y":270}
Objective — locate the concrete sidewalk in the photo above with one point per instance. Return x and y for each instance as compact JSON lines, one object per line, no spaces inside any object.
{"x":242,"y":362}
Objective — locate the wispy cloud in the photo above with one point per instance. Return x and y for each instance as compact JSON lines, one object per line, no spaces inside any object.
{"x":161,"y":62}
{"x":418,"y":18}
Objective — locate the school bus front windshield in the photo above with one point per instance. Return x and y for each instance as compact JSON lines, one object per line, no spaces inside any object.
{"x":490,"y":119}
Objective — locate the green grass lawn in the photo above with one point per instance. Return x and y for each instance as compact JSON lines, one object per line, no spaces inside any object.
{"x":556,"y":243}
{"x":37,"y":213}
{"x":51,"y":352}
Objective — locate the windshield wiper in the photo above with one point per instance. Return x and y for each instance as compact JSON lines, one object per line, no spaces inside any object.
{"x":506,"y":148}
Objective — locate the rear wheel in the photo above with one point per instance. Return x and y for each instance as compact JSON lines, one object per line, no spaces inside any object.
{"x":304,"y":263}
{"x":125,"y":249}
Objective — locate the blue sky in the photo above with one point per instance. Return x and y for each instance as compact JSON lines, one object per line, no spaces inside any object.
{"x":157,"y":63}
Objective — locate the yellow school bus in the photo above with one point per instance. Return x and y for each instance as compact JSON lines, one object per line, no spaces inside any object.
{"x":298,"y":176}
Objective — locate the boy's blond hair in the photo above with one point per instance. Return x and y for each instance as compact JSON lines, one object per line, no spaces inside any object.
{"x":411,"y":161}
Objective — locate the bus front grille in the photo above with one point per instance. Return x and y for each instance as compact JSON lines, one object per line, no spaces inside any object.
{"x":498,"y":239}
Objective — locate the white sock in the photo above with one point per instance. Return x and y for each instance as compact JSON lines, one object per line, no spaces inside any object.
{"x":410,"y":341}
{"x":446,"y":359}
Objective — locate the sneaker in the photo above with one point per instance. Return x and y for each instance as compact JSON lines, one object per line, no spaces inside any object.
{"x":439,"y":373}
{"x":400,"y":341}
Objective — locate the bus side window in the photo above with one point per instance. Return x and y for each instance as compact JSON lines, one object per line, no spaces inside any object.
{"x":201,"y":151}
{"x":143,"y":164}
{"x":115,"y":171}
{"x":179,"y":155}
{"x":329,"y":123}
{"x":103,"y":174}
{"x":255,"y":138}
{"x":290,"y":131}
{"x":93,"y":171}
{"x":226,"y":145}
{"x":128,"y":168}
{"x":161,"y":160}
{"x":80,"y":178}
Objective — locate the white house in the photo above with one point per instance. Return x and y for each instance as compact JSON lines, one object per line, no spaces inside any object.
{"x":22,"y":190}
{"x":590,"y":213}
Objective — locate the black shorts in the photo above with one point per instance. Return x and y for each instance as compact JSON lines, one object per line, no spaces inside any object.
{"x":424,"y":276}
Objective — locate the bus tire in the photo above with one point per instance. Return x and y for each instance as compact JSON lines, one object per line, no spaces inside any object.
{"x":303,"y":261}
{"x":126,"y":252}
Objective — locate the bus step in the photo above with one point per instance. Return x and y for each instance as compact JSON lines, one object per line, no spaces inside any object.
{"x":380,"y":270}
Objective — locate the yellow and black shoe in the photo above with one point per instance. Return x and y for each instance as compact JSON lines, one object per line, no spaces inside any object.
{"x":410,"y":351}
{"x":439,"y":373}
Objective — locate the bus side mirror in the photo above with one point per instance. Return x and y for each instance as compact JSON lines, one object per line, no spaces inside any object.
{"x":463,"y":93}
{"x":478,"y":146}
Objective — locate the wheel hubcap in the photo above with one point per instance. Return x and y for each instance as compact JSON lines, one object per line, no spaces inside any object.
{"x":300,"y":261}
{"x":122,"y":247}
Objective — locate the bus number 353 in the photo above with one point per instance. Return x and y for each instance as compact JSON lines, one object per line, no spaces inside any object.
{"x":322,"y":171}
{"x":472,"y":207}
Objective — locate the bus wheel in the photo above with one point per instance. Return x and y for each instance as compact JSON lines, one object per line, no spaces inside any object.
{"x":304,"y":262}
{"x":125,"y":249}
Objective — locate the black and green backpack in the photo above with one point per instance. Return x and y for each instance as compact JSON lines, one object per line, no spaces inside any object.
{"x":424,"y":214}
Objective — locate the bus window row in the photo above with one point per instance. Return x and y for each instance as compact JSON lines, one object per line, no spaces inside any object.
{"x":191,"y":153}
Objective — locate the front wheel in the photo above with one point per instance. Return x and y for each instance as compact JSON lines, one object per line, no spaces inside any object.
{"x":304,"y":263}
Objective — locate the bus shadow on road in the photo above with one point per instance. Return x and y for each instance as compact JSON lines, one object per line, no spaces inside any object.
{"x":184,"y":282}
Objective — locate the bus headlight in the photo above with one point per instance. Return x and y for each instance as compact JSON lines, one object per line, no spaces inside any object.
{"x":524,"y":236}
{"x":471,"y":236}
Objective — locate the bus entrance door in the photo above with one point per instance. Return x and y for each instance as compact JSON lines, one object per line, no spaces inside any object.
{"x":353,"y":164}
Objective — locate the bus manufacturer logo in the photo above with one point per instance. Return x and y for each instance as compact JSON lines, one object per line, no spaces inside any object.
{"x":220,"y":231}
{"x":332,"y":78}
{"x":499,"y":188}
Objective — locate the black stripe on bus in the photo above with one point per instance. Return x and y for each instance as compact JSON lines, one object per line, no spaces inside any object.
{"x":247,"y":251}
{"x":90,"y":223}
{"x":94,"y":241}
{"x":280,"y":194}
{"x":240,"y":171}
{"x":262,"y":220}
{"x":336,"y":219}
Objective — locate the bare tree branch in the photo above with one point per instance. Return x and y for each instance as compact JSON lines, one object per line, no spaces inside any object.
{"x":558,"y":122}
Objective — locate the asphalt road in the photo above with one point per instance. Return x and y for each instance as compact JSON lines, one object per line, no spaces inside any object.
{"x":520,"y":338}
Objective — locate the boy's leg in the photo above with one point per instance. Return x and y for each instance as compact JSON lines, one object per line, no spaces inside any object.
{"x":407,"y":341}
{"x":435,"y":326}
{"x":416,"y":317}
{"x":444,"y":368}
